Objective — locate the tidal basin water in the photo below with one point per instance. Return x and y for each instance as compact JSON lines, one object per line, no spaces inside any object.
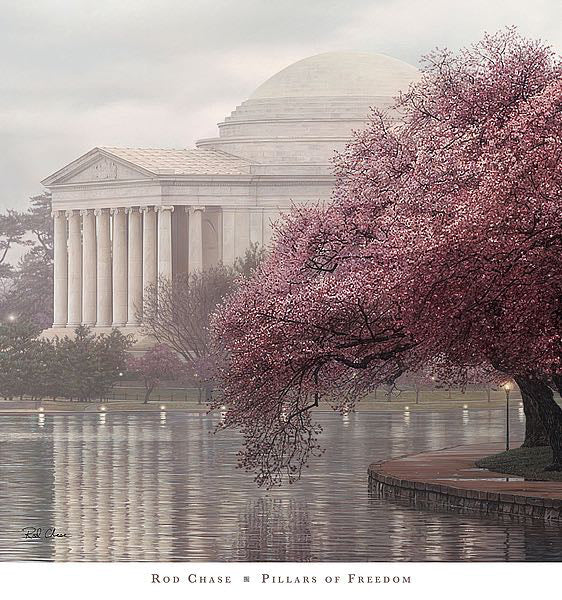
{"x":163,"y":487}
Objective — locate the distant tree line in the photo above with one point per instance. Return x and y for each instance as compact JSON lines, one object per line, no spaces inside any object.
{"x":81,"y":368}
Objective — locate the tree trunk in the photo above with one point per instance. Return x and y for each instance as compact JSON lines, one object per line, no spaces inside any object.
{"x":147,"y":395}
{"x":208,"y":393}
{"x":549,"y":413}
{"x":557,"y":379}
{"x":535,"y":433}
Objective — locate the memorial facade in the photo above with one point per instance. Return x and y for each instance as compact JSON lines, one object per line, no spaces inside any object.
{"x":125,"y":217}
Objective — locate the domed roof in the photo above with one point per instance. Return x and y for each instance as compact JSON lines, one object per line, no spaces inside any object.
{"x":297,"y":119}
{"x":338,"y":74}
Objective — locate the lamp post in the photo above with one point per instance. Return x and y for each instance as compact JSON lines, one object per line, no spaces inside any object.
{"x":507,"y":388}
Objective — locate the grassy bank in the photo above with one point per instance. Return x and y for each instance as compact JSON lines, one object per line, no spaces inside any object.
{"x":525,"y":462}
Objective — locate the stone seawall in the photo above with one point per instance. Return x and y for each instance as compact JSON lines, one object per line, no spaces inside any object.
{"x":424,"y":479}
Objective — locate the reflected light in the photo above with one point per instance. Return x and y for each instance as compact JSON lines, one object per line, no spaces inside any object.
{"x":407,"y":415}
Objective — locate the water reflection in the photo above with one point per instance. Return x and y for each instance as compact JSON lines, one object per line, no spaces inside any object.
{"x":273,"y":530}
{"x":162,"y":487}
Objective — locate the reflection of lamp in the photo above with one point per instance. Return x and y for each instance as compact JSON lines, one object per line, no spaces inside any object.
{"x":103,"y":409}
{"x":11,"y":318}
{"x":507,"y":386}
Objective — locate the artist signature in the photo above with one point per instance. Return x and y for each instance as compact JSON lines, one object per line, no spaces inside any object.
{"x":38,"y":533}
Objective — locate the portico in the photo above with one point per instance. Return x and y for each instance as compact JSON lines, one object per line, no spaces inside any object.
{"x":105,"y":259}
{"x":119,"y":226}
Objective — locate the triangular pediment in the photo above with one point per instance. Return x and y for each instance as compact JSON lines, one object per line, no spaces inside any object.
{"x":98,"y":165}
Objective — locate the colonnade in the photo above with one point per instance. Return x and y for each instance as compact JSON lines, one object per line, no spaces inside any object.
{"x":105,"y":258}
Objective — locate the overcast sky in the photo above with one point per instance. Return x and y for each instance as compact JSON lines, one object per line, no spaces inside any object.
{"x":161,"y":73}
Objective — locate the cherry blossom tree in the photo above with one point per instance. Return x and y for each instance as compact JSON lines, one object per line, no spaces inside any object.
{"x":479,"y":207}
{"x":490,"y":125}
{"x":441,"y":246}
{"x":158,"y":364}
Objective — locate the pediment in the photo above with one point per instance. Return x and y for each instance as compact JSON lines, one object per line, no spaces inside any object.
{"x":97,"y":166}
{"x":105,"y":169}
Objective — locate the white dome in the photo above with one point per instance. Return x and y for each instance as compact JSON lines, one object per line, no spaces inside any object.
{"x":338,"y":74}
{"x":302,"y":114}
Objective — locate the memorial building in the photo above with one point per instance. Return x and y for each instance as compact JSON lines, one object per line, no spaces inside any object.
{"x":123,"y":217}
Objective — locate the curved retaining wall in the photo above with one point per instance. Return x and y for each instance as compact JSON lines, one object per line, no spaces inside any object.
{"x":449,"y":497}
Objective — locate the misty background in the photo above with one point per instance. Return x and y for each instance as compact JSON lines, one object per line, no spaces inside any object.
{"x":77,"y":74}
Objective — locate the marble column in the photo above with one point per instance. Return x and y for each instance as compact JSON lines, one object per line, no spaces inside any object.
{"x":196,"y":239}
{"x":149,"y":249}
{"x":256,"y":226}
{"x":104,"y":297}
{"x":119,"y":267}
{"x":134,"y":308}
{"x":228,"y":236}
{"x":242,"y":239}
{"x":74,"y":269}
{"x":60,"y":252}
{"x":165,"y":242}
{"x":89,"y":252}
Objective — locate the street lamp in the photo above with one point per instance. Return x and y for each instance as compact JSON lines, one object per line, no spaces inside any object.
{"x":507,"y":386}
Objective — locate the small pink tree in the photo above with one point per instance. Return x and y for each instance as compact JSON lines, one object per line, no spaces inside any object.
{"x":158,"y":364}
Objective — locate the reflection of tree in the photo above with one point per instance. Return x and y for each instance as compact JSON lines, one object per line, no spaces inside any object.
{"x":541,"y":540}
{"x":274,"y":529}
